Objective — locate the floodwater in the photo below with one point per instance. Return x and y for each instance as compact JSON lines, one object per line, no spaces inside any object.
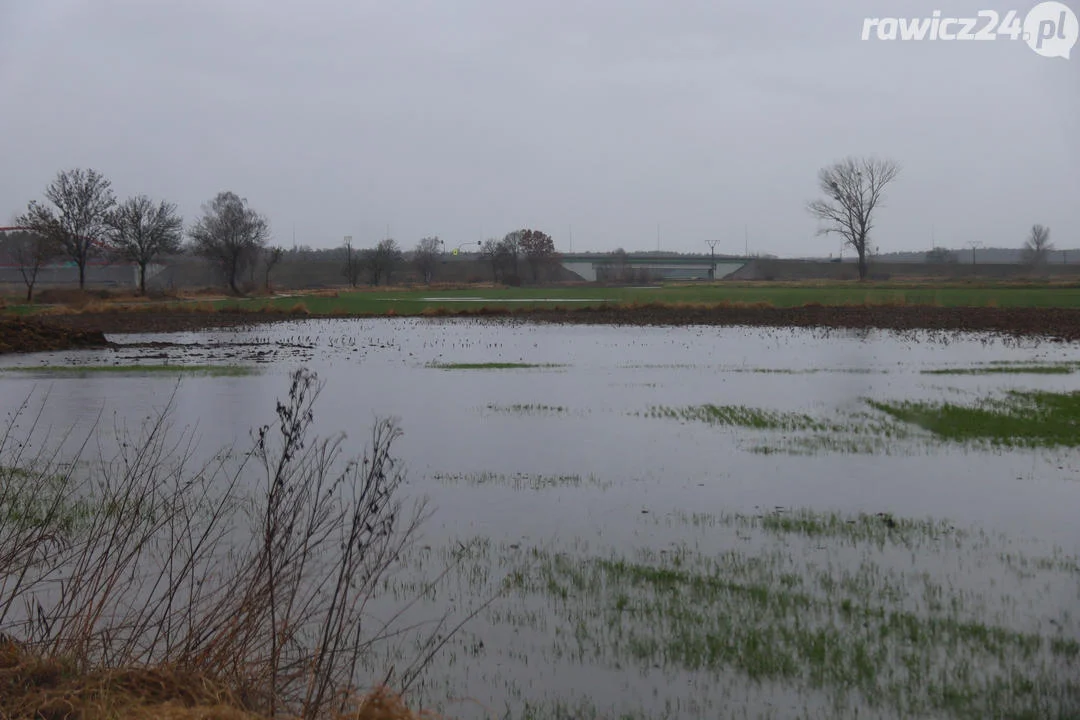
{"x":569,"y":457}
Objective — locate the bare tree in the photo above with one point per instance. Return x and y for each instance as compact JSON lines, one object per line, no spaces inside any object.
{"x":539,"y":250}
{"x":139,"y":230}
{"x":273,"y":257}
{"x":31,"y":251}
{"x":510,"y":250}
{"x":76,"y":218}
{"x":353,"y":264}
{"x":941,"y":256}
{"x":490,"y":255}
{"x":381,"y":260}
{"x":854,"y":188}
{"x":1037,"y":247}
{"x":426,"y":257}
{"x":229,"y":233}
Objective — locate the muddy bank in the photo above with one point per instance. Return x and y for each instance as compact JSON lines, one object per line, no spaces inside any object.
{"x":161,"y":322}
{"x":35,"y":336}
{"x":1056,"y":323}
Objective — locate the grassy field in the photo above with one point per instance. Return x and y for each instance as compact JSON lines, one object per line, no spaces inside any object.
{"x":374,"y":301}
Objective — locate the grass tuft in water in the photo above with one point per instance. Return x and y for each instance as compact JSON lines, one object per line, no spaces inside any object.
{"x":1019,"y":419}
{"x":39,"y":500}
{"x":522,"y":481}
{"x":137,"y":369}
{"x":529,"y":409}
{"x":1062,"y":369}
{"x":491,"y":366}
{"x":738,"y":415}
{"x":851,"y":636}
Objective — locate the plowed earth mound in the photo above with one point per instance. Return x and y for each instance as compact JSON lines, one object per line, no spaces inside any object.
{"x":1054,"y":323}
{"x":36,"y":336}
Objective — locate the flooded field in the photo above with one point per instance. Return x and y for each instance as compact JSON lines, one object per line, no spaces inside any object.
{"x":675,"y":522}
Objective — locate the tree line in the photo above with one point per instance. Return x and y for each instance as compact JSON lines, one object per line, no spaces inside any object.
{"x":505,"y":257}
{"x":81,"y":220}
{"x":854,"y":189}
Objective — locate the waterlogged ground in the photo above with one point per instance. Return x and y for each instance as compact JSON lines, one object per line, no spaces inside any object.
{"x":690,"y":522}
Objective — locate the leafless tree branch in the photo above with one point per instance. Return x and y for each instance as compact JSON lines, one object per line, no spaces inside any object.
{"x":854,"y":188}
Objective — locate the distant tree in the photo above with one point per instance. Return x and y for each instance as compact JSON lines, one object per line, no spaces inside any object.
{"x":538,"y":248}
{"x":941,"y":256}
{"x":140,"y":230}
{"x":381,"y":261}
{"x":31,"y":251}
{"x":76,"y":217}
{"x":273,"y":256}
{"x":231,"y":234}
{"x":426,"y":257}
{"x":854,"y":188}
{"x":621,"y":266}
{"x":509,"y":252}
{"x":1037,"y":247}
{"x":353,"y":265}
{"x":491,"y":254}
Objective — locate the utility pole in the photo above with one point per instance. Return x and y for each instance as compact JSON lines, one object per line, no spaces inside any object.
{"x":571,"y":229}
{"x":746,"y":239}
{"x":973,"y":245}
{"x":712,"y":257}
{"x":657,"y":237}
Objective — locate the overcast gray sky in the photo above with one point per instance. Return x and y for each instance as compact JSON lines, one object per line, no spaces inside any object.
{"x":469,"y":118}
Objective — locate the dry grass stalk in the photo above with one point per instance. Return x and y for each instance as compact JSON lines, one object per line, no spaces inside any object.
{"x":150,"y":571}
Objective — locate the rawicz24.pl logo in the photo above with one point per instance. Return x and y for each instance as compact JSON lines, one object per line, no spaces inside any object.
{"x":1050,"y":28}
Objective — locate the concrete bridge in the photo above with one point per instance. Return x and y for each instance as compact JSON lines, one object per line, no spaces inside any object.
{"x":599,"y":266}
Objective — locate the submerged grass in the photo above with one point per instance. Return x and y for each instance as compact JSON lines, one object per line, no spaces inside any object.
{"x":1062,"y":369}
{"x":1019,"y":419}
{"x":862,"y":527}
{"x":138,"y":369}
{"x":43,"y":501}
{"x":491,"y":366}
{"x":853,"y":635}
{"x":852,"y":432}
{"x":522,"y":481}
{"x":738,"y":415}
{"x":529,"y":409}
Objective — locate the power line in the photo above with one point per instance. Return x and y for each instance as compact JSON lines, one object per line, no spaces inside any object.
{"x":712,"y":257}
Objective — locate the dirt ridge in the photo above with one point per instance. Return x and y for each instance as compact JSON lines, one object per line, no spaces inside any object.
{"x":20,"y":335}
{"x":1059,"y":323}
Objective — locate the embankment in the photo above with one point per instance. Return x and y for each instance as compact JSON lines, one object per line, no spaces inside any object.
{"x":1057,"y":323}
{"x":17,"y":335}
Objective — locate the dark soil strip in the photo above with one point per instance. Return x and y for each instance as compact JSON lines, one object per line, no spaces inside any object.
{"x":1050,"y":323}
{"x":35,"y":336}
